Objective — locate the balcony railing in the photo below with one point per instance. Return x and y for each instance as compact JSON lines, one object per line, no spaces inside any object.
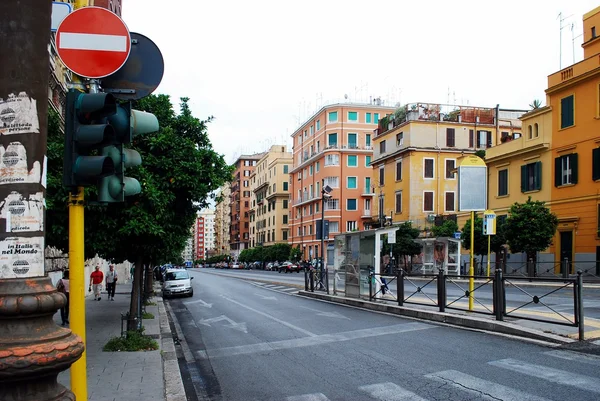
{"x":366,"y":213}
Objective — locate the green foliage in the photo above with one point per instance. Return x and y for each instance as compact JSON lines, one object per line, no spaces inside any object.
{"x":295,"y":254}
{"x":147,"y":315}
{"x":480,"y":153}
{"x":447,"y":229}
{"x":218,"y":259}
{"x":277,"y":252}
{"x":405,"y":245}
{"x":149,"y":303}
{"x":536,"y":104}
{"x":530,"y":227}
{"x":480,"y":241}
{"x":134,"y":341}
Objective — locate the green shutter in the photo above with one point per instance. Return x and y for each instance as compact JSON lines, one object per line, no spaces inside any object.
{"x":524,"y":178}
{"x":537,"y":180}
{"x":557,"y":172}
{"x":596,"y":164}
{"x":574,"y":169}
{"x":567,"y":112}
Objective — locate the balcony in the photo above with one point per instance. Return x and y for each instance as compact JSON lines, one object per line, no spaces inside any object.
{"x":366,"y":214}
{"x":307,"y":159}
{"x":305,"y":198}
{"x":368,"y":192}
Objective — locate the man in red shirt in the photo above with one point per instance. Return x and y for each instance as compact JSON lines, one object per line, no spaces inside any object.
{"x":96,"y":279}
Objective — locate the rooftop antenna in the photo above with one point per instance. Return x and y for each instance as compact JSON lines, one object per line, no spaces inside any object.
{"x":573,"y":37}
{"x":561,"y":19}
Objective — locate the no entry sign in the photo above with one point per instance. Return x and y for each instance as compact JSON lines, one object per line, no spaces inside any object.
{"x":93,"y":42}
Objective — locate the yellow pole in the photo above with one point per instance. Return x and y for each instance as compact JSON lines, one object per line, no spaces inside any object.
{"x":81,"y":4}
{"x":471,"y":267}
{"x":488,"y":258}
{"x":77,"y":290}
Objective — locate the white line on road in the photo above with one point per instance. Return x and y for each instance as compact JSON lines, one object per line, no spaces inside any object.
{"x":286,"y":324}
{"x":308,"y":397}
{"x":575,"y":356}
{"x":198,"y":301}
{"x":389,"y":392}
{"x":481,"y":387}
{"x":550,"y":374}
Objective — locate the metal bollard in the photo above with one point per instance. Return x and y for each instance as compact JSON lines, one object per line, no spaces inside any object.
{"x":312,"y":280}
{"x":498,"y":295}
{"x":580,"y":305}
{"x":371,"y":286}
{"x":306,"y":279}
{"x":327,"y":280}
{"x":400,"y":286}
{"x":441,"y":290}
{"x":565,"y":269}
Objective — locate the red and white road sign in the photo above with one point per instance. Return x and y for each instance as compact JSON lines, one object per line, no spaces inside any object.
{"x":93,"y":42}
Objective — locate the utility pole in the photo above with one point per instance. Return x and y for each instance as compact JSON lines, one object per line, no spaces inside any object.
{"x":34,"y":349}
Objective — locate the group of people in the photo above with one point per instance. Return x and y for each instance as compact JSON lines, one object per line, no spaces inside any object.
{"x":96,"y":279}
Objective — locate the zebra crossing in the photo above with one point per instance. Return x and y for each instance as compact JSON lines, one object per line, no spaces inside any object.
{"x":277,"y":287}
{"x":480,"y":388}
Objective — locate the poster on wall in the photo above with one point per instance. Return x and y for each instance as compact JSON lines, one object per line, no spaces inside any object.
{"x":21,"y":257}
{"x":23,"y":214}
{"x":14,"y":168}
{"x":18,"y":115}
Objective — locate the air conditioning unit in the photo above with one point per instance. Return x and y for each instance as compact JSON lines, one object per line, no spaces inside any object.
{"x":431,"y":218}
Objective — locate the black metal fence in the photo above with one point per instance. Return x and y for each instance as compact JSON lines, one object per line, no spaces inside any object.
{"x":453,"y":292}
{"x":316,"y":279}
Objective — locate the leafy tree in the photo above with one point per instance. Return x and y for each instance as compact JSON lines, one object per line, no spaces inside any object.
{"x":280,"y":252}
{"x":530,"y":227}
{"x":480,"y":153}
{"x":180,"y":171}
{"x":536,"y":104}
{"x":295,"y":254}
{"x":497,"y":241}
{"x":405,"y":245}
{"x":447,"y":229}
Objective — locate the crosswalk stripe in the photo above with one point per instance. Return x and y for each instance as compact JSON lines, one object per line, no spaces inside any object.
{"x":481,"y":387}
{"x":308,"y":397}
{"x":389,"y":392}
{"x":550,"y":374}
{"x":575,"y":356}
{"x":277,"y":287}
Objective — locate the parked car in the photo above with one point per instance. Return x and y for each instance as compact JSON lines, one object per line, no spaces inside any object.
{"x":289,"y":267}
{"x":272,"y":266}
{"x":235,"y":265}
{"x":177,"y":282}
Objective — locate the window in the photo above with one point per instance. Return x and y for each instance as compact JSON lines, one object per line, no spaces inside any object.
{"x":332,"y":160}
{"x":312,"y":130}
{"x":274,"y":187}
{"x":285,"y":219}
{"x":471,"y":139}
{"x":536,"y":132}
{"x":450,"y":167}
{"x":368,"y":118}
{"x":318,"y":125}
{"x":596,"y":164}
{"x":565,"y":170}
{"x":334,"y":227}
{"x":449,"y":201}
{"x":285,"y":169}
{"x":531,"y":177}
{"x":450,"y":138}
{"x":399,"y":170}
{"x":367,"y":185}
{"x":332,"y":204}
{"x":427,"y":168}
{"x":376,"y":118}
{"x":284,"y":236}
{"x":567,"y":111}
{"x":332,"y":140}
{"x":333,"y":182}
{"x":381,"y":176}
{"x":367,"y":161}
{"x":398,"y":208}
{"x":317,"y":166}
{"x":333,"y":116}
{"x":285,"y":185}
{"x":351,"y":183}
{"x":382,"y":147}
{"x":310,"y":170}
{"x":352,"y":144}
{"x":428,"y":201}
{"x":400,"y":139}
{"x":367,"y":139}
{"x":285,"y":203}
{"x":246,"y":173}
{"x":352,"y":116}
{"x":246,"y":184}
{"x":351,"y":226}
{"x":352,"y":161}
{"x":351,"y":204}
{"x":503,"y":182}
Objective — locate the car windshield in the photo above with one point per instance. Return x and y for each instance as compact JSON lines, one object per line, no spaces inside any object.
{"x":182,"y":275}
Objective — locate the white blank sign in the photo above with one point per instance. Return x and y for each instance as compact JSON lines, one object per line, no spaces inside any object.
{"x":472,"y":188}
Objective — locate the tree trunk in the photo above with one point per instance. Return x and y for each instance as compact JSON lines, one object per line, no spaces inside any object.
{"x":136,"y":293}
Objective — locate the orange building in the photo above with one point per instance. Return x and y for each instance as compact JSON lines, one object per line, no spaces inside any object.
{"x":573,"y":94}
{"x":333,"y":148}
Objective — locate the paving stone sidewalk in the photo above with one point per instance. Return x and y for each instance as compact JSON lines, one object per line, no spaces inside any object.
{"x":126,"y":376}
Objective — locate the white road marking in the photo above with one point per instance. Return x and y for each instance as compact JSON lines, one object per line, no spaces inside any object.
{"x":265,"y":297}
{"x":575,"y":356}
{"x":389,"y":392}
{"x":326,"y":314}
{"x":558,"y":376}
{"x":90,"y":41}
{"x":236,"y":326}
{"x":198,"y":301}
{"x":481,"y":387}
{"x":308,"y":397}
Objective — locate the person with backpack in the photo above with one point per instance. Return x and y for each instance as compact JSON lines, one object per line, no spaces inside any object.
{"x":63,"y":287}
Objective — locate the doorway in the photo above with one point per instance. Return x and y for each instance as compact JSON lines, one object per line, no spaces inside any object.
{"x":566,"y":250}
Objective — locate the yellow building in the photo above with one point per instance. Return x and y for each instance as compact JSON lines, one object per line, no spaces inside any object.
{"x":417,"y":150}
{"x":573,"y":95}
{"x":269,"y":198}
{"x":223,"y":220}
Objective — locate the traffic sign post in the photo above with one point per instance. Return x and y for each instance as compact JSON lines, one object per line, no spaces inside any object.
{"x":489,"y":229}
{"x":93,"y":42}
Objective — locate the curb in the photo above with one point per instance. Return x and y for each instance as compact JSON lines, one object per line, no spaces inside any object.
{"x":443,"y":317}
{"x":174,"y":390}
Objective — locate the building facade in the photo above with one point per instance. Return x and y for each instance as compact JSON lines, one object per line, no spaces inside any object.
{"x":332,"y":148}
{"x":204,"y":234}
{"x":269,"y":198}
{"x":223,"y":220}
{"x":239,"y":236}
{"x":417,"y":151}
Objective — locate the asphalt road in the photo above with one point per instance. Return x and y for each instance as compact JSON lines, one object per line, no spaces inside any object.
{"x":243,"y":341}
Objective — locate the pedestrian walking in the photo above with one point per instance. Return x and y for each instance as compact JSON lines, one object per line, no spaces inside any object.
{"x":63,"y":286}
{"x":111,"y":282}
{"x":96,"y":279}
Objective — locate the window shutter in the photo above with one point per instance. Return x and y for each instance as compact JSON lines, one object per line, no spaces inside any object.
{"x":450,"y":137}
{"x":596,"y":164}
{"x":489,"y":139}
{"x":557,"y":172}
{"x":574,"y":169}
{"x":470,"y":138}
{"x":537,"y":180}
{"x":524,"y":178}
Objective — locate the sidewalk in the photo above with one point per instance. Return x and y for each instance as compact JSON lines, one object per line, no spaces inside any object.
{"x":128,"y":376}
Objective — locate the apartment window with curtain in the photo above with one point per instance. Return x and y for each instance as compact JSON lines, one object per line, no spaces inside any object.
{"x":400,"y":139}
{"x":352,"y":161}
{"x":531,"y":177}
{"x":332,"y":140}
{"x":352,"y":141}
{"x":351,"y":182}
{"x":450,"y":138}
{"x":503,"y":182}
{"x":368,"y":139}
{"x":428,"y":201}
{"x":332,"y":160}
{"x":351,"y":226}
{"x":428,"y":168}
{"x":565,"y":170}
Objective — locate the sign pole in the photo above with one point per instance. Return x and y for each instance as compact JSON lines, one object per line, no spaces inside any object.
{"x":488,"y":256}
{"x":471,"y":267}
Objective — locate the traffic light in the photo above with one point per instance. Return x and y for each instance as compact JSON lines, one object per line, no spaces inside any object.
{"x":126,"y":123}
{"x":87,"y":130}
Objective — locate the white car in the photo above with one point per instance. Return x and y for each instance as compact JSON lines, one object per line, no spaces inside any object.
{"x":177,"y":282}
{"x":235,"y":265}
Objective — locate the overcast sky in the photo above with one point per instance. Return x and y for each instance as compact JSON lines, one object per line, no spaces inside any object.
{"x":262,"y":67}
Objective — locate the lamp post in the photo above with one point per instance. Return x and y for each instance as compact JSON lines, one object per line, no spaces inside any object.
{"x":325,"y":194}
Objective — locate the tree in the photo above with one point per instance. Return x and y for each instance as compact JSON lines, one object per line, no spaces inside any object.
{"x":295,"y":254}
{"x":179,"y":173}
{"x":405,"y":245}
{"x":480,"y":242}
{"x":447,"y":229}
{"x":530,"y":227}
{"x":536,"y":104}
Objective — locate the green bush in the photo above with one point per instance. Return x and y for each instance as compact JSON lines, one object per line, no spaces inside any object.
{"x":147,"y":315}
{"x":133,"y":341}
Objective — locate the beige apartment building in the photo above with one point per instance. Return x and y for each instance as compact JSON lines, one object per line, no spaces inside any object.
{"x":223,"y":220}
{"x":269,"y":198}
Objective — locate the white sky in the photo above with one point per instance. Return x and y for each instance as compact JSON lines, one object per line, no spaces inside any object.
{"x":262,"y":67}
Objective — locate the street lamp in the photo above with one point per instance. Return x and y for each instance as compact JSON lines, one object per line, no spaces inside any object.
{"x":325,"y":194}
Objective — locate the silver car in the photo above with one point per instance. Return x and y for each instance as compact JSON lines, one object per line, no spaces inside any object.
{"x":177,"y":282}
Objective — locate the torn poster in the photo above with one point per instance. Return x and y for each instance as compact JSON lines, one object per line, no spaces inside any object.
{"x":18,"y":115}
{"x":23,"y":215}
{"x":21,"y":257}
{"x":13,"y":166}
